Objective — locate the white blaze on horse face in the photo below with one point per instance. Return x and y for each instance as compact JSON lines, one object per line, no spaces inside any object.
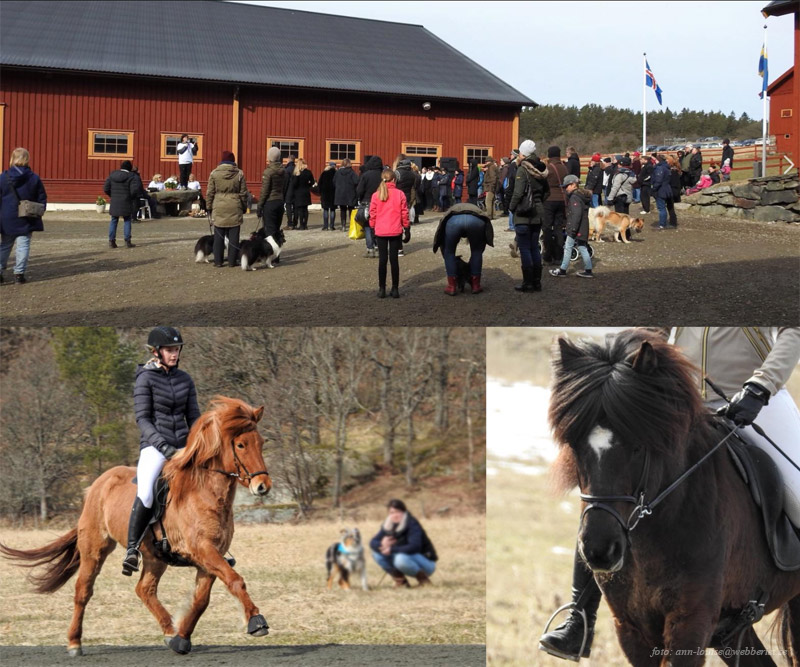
{"x":600,"y":440}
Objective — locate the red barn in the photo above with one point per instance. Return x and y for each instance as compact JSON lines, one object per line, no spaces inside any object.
{"x":784,"y":93}
{"x":87,"y":84}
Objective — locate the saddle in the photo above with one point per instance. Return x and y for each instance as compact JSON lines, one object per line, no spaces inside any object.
{"x":161,"y":547}
{"x":765,"y":482}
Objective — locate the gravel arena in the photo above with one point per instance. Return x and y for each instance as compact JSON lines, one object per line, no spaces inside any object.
{"x":708,"y":270}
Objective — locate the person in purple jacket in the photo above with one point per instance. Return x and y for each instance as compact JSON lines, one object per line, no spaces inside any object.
{"x":401,"y":547}
{"x":16,"y":183}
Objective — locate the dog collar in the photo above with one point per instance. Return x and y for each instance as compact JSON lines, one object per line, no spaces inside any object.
{"x":344,"y":550}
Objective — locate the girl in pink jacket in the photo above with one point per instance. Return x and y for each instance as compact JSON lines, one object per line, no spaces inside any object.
{"x":704,"y":182}
{"x":388,"y":217}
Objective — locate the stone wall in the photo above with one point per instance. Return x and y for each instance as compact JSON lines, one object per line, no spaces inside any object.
{"x":770,"y":199}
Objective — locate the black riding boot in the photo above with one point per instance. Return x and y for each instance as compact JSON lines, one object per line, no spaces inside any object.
{"x":566,"y":640}
{"x":137,"y":525}
{"x":527,"y":280}
{"x":536,"y":276}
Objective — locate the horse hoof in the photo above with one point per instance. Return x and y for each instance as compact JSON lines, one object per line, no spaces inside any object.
{"x":75,"y":652}
{"x":179,"y":644}
{"x":257,"y":626}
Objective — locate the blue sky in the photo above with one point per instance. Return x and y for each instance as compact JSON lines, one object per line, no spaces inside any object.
{"x":704,"y":54}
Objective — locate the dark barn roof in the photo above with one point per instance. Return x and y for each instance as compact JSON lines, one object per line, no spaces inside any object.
{"x":245,"y":44}
{"x":781,"y":8}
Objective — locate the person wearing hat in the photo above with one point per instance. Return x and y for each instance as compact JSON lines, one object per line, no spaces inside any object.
{"x":527,"y":205}
{"x":577,"y":227}
{"x":554,"y":208}
{"x":326,"y":195}
{"x":165,"y":403}
{"x":594,"y":179}
{"x":123,"y":189}
{"x":226,"y":202}
{"x":621,"y":193}
{"x":270,"y":199}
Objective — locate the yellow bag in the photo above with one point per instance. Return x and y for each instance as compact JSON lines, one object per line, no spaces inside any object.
{"x":356,"y":231}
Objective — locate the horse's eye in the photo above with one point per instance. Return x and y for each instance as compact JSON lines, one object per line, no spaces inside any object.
{"x":239,"y":445}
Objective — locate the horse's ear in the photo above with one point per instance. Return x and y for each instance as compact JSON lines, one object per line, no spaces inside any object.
{"x":567,"y":349}
{"x":258,"y":413}
{"x":646,"y":360}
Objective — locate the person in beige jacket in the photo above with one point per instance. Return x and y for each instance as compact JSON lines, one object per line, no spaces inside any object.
{"x":226,"y":203}
{"x":490,"y":182}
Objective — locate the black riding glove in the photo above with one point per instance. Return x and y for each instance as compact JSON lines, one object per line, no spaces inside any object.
{"x":745,"y":405}
{"x":168,"y":451}
{"x":407,"y":235}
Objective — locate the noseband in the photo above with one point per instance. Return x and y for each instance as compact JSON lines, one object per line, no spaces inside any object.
{"x":248,"y":476}
{"x":642,"y":508}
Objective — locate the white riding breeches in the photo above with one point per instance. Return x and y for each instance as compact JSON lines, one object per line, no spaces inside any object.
{"x":780,"y":420}
{"x":151,"y":461}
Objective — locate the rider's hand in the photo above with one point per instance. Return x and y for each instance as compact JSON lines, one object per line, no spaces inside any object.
{"x":745,"y":405}
{"x":169,"y":451}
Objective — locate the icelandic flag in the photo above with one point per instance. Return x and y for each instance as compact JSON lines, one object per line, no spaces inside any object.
{"x":763,"y":71}
{"x":650,"y":81}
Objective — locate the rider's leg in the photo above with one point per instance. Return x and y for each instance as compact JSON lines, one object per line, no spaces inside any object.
{"x":151,"y":461}
{"x":566,"y":640}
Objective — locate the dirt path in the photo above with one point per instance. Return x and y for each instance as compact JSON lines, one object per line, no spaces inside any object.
{"x":250,"y":656}
{"x":709,"y":270}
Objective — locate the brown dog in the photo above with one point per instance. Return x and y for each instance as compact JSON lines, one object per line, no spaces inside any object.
{"x":602,"y":217}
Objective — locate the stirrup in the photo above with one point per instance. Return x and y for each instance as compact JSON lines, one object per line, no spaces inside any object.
{"x":559,"y":654}
{"x":127,"y":568}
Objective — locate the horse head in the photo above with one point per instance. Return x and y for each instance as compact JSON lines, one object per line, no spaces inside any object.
{"x":621,"y":413}
{"x":225,"y":439}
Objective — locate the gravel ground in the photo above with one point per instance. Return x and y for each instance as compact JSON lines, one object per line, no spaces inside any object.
{"x":709,"y":270}
{"x":250,"y":656}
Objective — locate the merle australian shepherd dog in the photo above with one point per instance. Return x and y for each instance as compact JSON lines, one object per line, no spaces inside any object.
{"x":346,"y":557}
{"x":260,"y":247}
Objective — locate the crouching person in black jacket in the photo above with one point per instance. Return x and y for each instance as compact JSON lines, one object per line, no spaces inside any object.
{"x":402,"y":547}
{"x":577,"y":227}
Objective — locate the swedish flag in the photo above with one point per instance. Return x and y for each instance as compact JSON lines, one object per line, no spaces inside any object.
{"x":763,"y":71}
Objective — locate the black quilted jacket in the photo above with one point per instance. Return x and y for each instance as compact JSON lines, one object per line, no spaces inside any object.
{"x":165,"y":404}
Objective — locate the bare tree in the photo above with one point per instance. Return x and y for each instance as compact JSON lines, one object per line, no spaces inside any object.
{"x":384,"y":355}
{"x":40,"y":434}
{"x":442,"y":378}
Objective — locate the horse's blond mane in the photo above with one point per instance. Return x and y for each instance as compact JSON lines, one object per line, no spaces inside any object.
{"x":223,"y":418}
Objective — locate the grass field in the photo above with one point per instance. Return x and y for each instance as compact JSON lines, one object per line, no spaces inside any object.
{"x":284,"y":569}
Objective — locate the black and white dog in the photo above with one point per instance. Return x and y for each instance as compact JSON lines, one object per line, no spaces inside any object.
{"x":261,"y":247}
{"x":204,"y":248}
{"x":346,"y":557}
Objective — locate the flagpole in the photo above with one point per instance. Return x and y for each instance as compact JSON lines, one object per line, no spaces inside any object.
{"x":644,"y":104}
{"x":764,"y":121}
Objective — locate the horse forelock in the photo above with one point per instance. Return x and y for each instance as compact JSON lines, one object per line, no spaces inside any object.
{"x":597,"y":385}
{"x":213,"y":430}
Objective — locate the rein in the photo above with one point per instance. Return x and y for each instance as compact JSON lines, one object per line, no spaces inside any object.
{"x":239,"y":467}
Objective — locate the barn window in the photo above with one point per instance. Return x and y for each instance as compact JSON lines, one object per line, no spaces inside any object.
{"x":105,"y":144}
{"x":425,"y":155}
{"x":337,"y":150}
{"x":288,"y":147}
{"x":786,"y":113}
{"x":479,"y":153}
{"x":170,"y":141}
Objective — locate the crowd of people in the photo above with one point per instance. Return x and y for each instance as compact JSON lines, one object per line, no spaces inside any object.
{"x":542,"y":198}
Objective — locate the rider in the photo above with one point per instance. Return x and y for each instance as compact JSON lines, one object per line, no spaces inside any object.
{"x":752,"y":366}
{"x":165,"y":402}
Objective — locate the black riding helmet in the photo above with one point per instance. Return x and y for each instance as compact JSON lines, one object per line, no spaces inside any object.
{"x":164,"y":337}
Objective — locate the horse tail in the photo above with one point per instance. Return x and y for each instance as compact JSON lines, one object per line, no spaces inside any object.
{"x":61,"y":559}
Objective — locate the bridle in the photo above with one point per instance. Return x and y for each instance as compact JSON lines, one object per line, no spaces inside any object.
{"x":247,"y":477}
{"x":642,"y":507}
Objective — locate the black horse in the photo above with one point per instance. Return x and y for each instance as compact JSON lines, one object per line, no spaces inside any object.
{"x":674,"y":562}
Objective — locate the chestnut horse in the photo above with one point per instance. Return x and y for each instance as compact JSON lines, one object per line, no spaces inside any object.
{"x":630,"y":421}
{"x":222,"y":448}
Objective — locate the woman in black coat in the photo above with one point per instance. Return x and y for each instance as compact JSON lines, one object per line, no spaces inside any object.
{"x":473,"y":176}
{"x":326,"y":196}
{"x":165,"y":402}
{"x":123,"y":188}
{"x":345,"y":183}
{"x":302,"y":180}
{"x":14,"y":229}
